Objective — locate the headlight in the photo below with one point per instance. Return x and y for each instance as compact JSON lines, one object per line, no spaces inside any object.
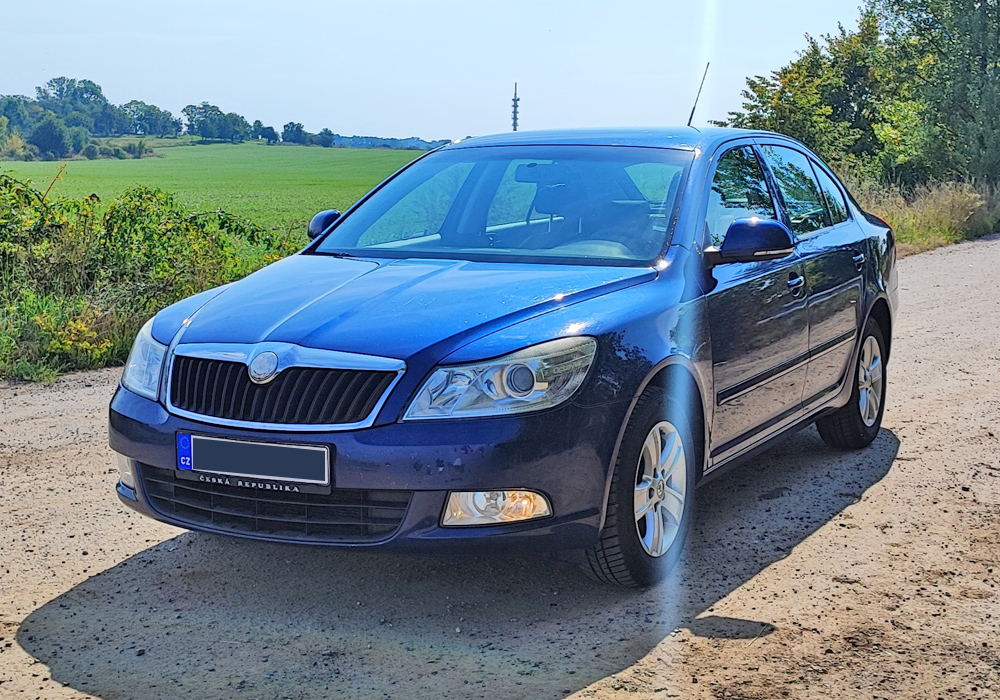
{"x":538,"y":377}
{"x":142,"y":371}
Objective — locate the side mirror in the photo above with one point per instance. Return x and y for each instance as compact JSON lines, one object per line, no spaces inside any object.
{"x":321,"y":222}
{"x":751,"y":240}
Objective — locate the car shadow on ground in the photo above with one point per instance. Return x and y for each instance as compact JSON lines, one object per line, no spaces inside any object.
{"x":210,"y":616}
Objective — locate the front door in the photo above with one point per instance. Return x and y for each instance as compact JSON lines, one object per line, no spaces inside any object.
{"x":757,"y":316}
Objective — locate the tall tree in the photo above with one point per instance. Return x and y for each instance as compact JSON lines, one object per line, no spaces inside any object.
{"x":794,"y":101}
{"x":209,"y":122}
{"x":325,"y":138}
{"x":955,"y":44}
{"x":82,"y":103}
{"x":269,"y":134}
{"x":293,"y":132}
{"x":202,"y":120}
{"x":234,"y":128}
{"x":851,"y":97}
{"x":150,"y":120}
{"x":50,"y":136}
{"x":15,"y":108}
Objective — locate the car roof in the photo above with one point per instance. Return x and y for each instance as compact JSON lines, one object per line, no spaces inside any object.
{"x":681,"y":137}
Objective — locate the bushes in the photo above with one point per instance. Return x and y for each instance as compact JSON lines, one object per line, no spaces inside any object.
{"x":138,"y":149}
{"x":932,"y":215}
{"x":14,"y":147}
{"x":76,"y":284}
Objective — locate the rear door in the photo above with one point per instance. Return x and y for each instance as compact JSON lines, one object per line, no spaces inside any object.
{"x":832,"y":248}
{"x":757,"y":316}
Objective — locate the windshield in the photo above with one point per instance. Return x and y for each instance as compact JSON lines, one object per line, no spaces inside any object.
{"x":598,"y":205}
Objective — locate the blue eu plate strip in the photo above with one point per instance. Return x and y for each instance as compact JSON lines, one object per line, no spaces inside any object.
{"x":183,"y":451}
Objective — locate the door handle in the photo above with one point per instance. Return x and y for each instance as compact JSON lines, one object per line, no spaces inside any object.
{"x":859,"y":261}
{"x":796,"y":282}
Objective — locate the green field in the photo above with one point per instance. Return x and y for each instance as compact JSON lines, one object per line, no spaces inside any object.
{"x":275,"y":186}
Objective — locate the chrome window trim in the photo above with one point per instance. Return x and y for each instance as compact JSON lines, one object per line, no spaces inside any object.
{"x":289,"y":355}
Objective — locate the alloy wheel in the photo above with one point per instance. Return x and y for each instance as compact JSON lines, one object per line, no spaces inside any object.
{"x":660,"y":489}
{"x":870,"y":381}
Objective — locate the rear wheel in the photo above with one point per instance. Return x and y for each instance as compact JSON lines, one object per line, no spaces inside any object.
{"x":651,"y":503}
{"x":855,"y":425}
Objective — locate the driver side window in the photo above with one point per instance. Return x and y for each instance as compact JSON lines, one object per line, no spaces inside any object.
{"x":739,"y":191}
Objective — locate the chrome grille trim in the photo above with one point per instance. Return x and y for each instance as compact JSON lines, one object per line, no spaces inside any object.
{"x":289,"y":356}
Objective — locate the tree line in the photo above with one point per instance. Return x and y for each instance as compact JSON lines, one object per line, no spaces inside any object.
{"x":912,"y":96}
{"x":67,"y":116}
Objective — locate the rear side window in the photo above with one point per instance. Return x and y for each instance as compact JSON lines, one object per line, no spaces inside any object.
{"x":799,"y":189}
{"x":739,"y":191}
{"x":834,"y":198}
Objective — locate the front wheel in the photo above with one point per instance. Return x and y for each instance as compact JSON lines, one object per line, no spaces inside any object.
{"x":855,"y":425}
{"x":651,"y":503}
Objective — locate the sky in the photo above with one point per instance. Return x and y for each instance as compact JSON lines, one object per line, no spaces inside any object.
{"x":433,"y":69}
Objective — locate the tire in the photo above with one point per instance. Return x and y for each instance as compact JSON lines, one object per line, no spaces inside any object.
{"x":621,"y":557}
{"x":857,"y":424}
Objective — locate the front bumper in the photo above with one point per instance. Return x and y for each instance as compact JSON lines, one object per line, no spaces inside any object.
{"x":564,"y":453}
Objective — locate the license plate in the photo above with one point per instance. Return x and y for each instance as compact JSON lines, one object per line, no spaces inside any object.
{"x":254,"y":465}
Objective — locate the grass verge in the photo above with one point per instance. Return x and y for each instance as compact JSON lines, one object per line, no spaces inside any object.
{"x":934,"y":215}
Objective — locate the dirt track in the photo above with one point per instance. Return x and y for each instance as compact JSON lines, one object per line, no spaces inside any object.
{"x":810,"y":574}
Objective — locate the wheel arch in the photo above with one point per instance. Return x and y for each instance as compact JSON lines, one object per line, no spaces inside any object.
{"x":883,"y":317}
{"x":677,"y":377}
{"x":675,"y":373}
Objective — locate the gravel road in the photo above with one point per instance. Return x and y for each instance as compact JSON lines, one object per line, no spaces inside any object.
{"x":810,"y":573}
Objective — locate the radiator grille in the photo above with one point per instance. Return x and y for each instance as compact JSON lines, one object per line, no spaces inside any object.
{"x":297,"y":396}
{"x":345,"y":516}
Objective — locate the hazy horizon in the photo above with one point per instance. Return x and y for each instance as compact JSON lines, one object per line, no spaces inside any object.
{"x":443,"y":70}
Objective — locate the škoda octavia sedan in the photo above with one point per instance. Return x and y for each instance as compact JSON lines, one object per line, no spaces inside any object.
{"x":534,"y":340}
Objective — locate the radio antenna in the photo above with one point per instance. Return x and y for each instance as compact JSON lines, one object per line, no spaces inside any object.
{"x":514,"y":110}
{"x":691,"y":118}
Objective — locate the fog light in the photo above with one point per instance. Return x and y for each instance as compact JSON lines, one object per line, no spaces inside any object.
{"x":493,"y":507}
{"x":125,"y":472}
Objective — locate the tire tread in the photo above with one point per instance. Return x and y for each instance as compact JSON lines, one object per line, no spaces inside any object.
{"x":605,"y":561}
{"x":844,"y":429}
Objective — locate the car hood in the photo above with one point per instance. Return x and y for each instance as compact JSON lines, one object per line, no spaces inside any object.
{"x":393,"y":308}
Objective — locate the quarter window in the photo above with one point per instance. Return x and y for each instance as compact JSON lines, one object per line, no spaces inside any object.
{"x":834,"y":198}
{"x":739,"y":191}
{"x":803,"y":201}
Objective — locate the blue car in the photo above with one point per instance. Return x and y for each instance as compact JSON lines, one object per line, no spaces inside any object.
{"x":528,"y":341}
